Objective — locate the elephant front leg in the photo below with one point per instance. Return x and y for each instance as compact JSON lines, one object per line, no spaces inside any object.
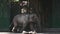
{"x":31,"y":27}
{"x":23,"y":27}
{"x":14,"y":29}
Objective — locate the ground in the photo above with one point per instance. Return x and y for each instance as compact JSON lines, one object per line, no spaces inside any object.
{"x":20,"y":33}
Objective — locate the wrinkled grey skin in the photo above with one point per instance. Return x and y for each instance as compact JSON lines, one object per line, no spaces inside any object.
{"x":24,"y":19}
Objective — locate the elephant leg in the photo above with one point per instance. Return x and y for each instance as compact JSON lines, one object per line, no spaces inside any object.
{"x":23,"y":27}
{"x":14,"y":29}
{"x":31,"y":27}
